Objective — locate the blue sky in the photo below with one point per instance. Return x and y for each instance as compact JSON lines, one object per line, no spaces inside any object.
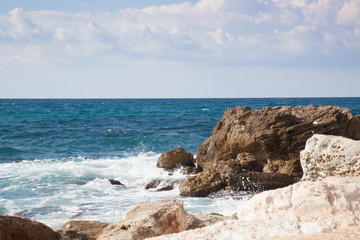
{"x":164,"y":48}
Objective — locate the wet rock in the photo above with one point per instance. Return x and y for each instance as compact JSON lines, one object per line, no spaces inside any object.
{"x":148,"y":220}
{"x":167,"y":188}
{"x":153,"y":183}
{"x":175,"y":158}
{"x":90,"y":229}
{"x":21,"y":228}
{"x":115,"y":182}
{"x":326,"y":156}
{"x":211,"y":181}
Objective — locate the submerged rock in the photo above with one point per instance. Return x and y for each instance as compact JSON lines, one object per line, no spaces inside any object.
{"x":326,"y":156}
{"x":175,"y":158}
{"x":264,"y":141}
{"x":148,"y":220}
{"x":115,"y":182}
{"x":21,"y":228}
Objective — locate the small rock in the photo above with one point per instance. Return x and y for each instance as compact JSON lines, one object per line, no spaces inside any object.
{"x":115,"y":182}
{"x":175,"y":158}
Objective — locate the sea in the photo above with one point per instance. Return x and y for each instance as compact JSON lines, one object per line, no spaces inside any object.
{"x":56,"y":155}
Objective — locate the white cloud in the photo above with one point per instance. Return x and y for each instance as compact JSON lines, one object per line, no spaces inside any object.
{"x":209,"y":29}
{"x":349,"y":13}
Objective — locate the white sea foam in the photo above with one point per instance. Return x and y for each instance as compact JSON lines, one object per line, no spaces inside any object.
{"x":55,"y":191}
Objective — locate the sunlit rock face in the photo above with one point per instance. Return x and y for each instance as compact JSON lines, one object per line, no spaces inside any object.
{"x":330,"y":205}
{"x":330,"y":156}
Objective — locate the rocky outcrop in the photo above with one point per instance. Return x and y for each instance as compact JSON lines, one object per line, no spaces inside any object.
{"x":175,"y":158}
{"x":330,"y":205}
{"x":326,"y":156}
{"x":148,"y":220}
{"x":210,"y":181}
{"x":90,"y":229}
{"x":266,"y":141}
{"x":20,"y":228}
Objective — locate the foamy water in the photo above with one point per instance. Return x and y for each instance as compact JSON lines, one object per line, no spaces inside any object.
{"x":56,"y":191}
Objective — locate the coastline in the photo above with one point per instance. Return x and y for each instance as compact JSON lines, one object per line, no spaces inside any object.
{"x":244,"y":163}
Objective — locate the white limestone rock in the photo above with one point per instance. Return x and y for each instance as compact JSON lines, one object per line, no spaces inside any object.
{"x":303,"y":208}
{"x":325,"y":156}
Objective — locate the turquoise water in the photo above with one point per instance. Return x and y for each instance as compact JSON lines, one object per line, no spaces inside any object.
{"x":56,"y":155}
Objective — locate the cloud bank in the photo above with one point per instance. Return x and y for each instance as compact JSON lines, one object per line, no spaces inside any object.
{"x":223,"y":29}
{"x":206,"y":35}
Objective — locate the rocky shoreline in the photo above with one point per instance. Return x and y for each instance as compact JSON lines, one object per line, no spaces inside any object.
{"x":309,"y":155}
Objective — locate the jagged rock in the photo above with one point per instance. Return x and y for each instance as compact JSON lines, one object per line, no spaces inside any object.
{"x":162,"y":184}
{"x":148,"y":220}
{"x":330,"y":205}
{"x":21,"y":228}
{"x":91,"y":229}
{"x":153,"y":183}
{"x":330,"y":156}
{"x":272,"y":134}
{"x":202,"y":184}
{"x":175,"y":158}
{"x":188,"y":170}
{"x":264,"y":141}
{"x":210,"y":181}
{"x":115,"y":182}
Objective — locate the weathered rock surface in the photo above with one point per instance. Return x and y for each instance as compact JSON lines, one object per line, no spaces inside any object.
{"x":20,"y":228}
{"x":331,"y":205}
{"x":271,"y":134}
{"x":91,"y":229}
{"x":202,"y":220}
{"x":346,"y":234}
{"x":175,"y":158}
{"x":72,"y":235}
{"x":148,"y":220}
{"x":268,"y":140}
{"x":326,"y":156}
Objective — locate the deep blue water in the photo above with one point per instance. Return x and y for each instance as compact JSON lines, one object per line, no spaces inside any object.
{"x":71,"y":147}
{"x":61,"y":128}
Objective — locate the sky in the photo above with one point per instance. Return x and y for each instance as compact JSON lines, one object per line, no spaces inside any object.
{"x":179,"y":49}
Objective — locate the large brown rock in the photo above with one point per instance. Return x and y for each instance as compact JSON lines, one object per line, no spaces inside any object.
{"x":274,"y":134}
{"x":148,"y":219}
{"x":263,"y":145}
{"x":21,"y":228}
{"x":175,"y":158}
